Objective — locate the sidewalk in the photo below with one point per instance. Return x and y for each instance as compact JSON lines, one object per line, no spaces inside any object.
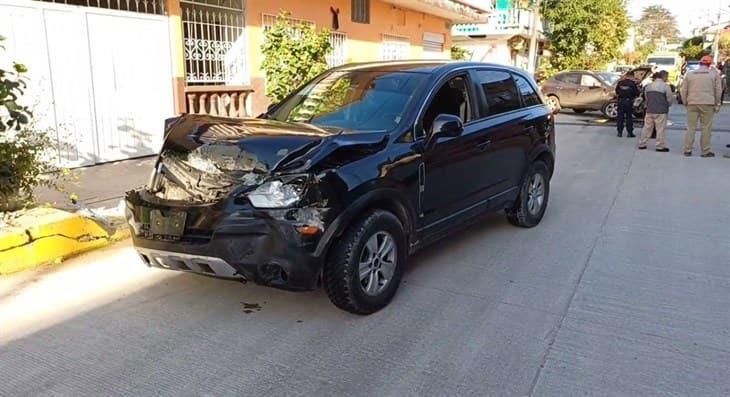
{"x":100,"y":186}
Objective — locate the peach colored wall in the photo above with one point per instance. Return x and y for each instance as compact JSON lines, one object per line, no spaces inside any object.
{"x":363,"y":40}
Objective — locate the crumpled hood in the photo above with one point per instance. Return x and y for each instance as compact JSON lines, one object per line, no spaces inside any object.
{"x":206,"y":157}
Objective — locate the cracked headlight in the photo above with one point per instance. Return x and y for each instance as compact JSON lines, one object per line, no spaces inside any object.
{"x":276,"y":194}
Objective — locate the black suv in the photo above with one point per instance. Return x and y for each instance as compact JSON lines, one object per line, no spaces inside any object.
{"x":340,"y":182}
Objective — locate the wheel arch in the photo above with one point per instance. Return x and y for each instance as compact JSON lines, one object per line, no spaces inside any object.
{"x":544,"y":154}
{"x":386,"y":199}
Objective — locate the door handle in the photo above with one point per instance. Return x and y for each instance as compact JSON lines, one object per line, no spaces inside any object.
{"x":484,"y":144}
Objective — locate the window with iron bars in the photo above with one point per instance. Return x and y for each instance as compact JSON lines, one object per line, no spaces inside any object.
{"x":214,"y":42}
{"x":140,"y":6}
{"x":395,"y":47}
{"x":338,"y":40}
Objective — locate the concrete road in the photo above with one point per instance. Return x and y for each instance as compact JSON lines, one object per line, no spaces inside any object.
{"x":622,"y":290}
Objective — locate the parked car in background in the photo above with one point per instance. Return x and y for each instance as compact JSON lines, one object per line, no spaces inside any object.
{"x":687,"y":67}
{"x":671,"y":62}
{"x":583,"y":90}
{"x":340,"y":182}
{"x":580,"y":90}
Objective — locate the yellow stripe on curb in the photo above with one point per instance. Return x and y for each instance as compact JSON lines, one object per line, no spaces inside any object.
{"x":45,"y":235}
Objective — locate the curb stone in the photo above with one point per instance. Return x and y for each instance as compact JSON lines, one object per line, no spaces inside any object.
{"x":46,"y":235}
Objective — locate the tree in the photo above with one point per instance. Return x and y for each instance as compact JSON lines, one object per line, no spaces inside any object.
{"x":12,"y":84}
{"x":586,"y":34}
{"x":293,"y":55}
{"x":657,"y":23}
{"x":693,"y":48}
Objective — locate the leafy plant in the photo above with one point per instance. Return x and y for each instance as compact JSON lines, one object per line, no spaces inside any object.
{"x":657,"y":23}
{"x":586,"y":34}
{"x":293,"y":54}
{"x":12,"y":84}
{"x":25,"y":150}
{"x":460,"y":54}
{"x":694,"y":48}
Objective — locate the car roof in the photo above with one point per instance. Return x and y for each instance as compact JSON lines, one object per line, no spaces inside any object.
{"x":434,"y":66}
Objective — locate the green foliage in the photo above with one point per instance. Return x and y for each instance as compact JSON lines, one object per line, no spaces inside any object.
{"x":694,"y":48}
{"x":657,"y":23}
{"x":293,"y":55}
{"x":460,"y":54}
{"x":24,"y":149}
{"x":586,"y":34}
{"x":725,"y":47}
{"x":12,"y":84}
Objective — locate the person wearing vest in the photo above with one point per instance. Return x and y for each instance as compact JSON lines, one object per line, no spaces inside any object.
{"x":626,"y":92}
{"x":658,"y":96}
{"x":702,"y":94}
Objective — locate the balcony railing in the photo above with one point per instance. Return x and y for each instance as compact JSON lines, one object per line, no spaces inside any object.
{"x":218,"y":100}
{"x":501,"y":22}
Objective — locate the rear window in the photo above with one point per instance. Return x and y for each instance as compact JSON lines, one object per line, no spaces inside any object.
{"x":499,"y":90}
{"x":663,"y":61}
{"x":529,"y":96}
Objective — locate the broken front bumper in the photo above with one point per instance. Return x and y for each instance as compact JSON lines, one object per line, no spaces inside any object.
{"x":227,"y":240}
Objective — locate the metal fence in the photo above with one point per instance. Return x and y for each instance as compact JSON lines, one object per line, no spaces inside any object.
{"x":142,"y":6}
{"x":214,"y":42}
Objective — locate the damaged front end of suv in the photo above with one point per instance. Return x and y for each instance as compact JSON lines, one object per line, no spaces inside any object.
{"x":244,"y":199}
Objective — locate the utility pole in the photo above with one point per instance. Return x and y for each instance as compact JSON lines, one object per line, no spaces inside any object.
{"x":534,"y":34}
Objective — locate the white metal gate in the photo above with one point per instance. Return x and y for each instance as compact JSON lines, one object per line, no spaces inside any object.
{"x":99,"y":79}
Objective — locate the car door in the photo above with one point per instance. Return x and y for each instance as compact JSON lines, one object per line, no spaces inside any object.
{"x":568,"y":85}
{"x":591,"y":92}
{"x":449,"y":182}
{"x":502,"y":159}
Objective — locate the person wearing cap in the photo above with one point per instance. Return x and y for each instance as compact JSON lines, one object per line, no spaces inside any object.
{"x":626,"y":91}
{"x":658,"y":96}
{"x":702,"y":94}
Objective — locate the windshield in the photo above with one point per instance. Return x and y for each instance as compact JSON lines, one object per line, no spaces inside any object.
{"x":356,"y":100}
{"x":663,"y":61}
{"x":610,"y":78}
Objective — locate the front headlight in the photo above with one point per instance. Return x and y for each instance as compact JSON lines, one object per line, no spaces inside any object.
{"x":276,"y":194}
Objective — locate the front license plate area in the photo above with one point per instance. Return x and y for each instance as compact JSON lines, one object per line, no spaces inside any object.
{"x":167,"y":224}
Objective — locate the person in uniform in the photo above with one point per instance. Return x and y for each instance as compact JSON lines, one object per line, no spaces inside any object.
{"x":626,"y":92}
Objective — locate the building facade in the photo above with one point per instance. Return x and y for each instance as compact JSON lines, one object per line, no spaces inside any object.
{"x":104,"y":74}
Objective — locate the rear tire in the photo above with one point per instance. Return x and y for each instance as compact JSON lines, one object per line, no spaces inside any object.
{"x":530,"y":206}
{"x":365,"y":268}
{"x":610,"y":110}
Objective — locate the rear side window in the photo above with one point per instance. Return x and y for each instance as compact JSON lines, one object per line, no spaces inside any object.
{"x":570,"y":78}
{"x":529,"y":96}
{"x":499,"y":90}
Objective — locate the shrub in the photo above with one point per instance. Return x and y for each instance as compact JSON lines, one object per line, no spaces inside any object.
{"x":460,"y":54}
{"x":25,"y":151}
{"x":293,"y":55}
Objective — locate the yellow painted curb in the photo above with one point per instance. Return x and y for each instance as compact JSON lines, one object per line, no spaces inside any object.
{"x":44,"y":235}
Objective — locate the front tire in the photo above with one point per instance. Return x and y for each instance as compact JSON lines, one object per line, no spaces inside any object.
{"x":532,"y":202}
{"x":364,"y":271}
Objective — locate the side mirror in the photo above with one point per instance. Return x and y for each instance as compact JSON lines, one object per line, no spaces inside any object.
{"x":446,"y":126}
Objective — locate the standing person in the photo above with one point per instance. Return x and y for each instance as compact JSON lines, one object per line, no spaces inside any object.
{"x":701,"y":92}
{"x":626,"y":91}
{"x":658,"y":97}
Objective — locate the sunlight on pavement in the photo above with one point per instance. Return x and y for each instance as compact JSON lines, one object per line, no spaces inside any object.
{"x":34,"y":300}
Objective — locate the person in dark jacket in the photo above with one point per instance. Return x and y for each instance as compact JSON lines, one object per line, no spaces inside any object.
{"x":658,"y":96}
{"x":626,"y":92}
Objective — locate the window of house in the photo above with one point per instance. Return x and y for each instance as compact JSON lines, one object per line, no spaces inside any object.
{"x":338,"y":55}
{"x":213,"y":42}
{"x":433,"y":45}
{"x":361,"y":11}
{"x":499,"y":90}
{"x":529,"y":96}
{"x":451,"y":98}
{"x":395,"y":47}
